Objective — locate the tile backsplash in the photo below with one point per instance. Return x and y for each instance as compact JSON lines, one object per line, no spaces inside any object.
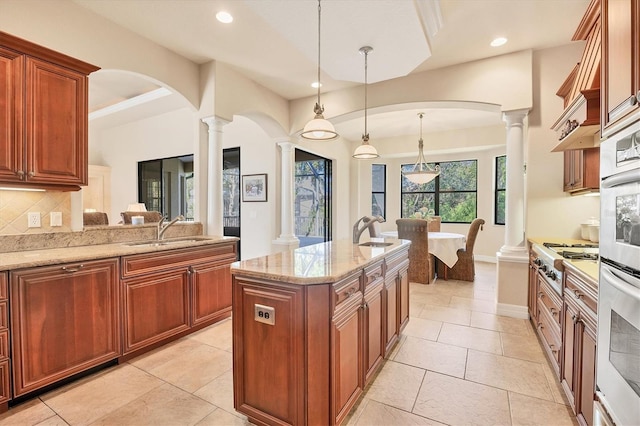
{"x":14,"y":206}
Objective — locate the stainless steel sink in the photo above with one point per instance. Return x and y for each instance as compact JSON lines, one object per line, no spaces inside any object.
{"x":375,"y":244}
{"x":158,"y":243}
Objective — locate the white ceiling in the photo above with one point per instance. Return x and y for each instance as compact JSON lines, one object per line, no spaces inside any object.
{"x":275,"y":43}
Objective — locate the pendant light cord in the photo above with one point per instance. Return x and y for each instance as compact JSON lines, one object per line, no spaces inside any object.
{"x":319,"y":15}
{"x":365,"y":51}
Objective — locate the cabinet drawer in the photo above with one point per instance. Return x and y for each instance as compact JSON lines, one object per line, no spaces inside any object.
{"x":550,"y":302}
{"x":344,"y":289}
{"x":4,"y":344}
{"x":5,"y":388}
{"x":373,"y":273}
{"x":3,"y":286}
{"x":575,"y":289}
{"x":160,"y":261}
{"x":396,"y":260}
{"x":550,"y":333}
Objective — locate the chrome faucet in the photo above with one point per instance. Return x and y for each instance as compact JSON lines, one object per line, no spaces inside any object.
{"x":162,"y":227}
{"x":367,"y":222}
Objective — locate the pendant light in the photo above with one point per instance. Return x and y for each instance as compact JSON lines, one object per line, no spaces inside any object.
{"x":365,"y":151}
{"x":422,"y":173}
{"x":319,"y":129}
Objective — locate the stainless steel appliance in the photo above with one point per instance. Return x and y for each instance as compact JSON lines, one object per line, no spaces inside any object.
{"x":618,"y":342}
{"x":549,"y":257}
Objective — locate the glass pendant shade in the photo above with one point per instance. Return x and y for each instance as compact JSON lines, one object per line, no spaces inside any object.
{"x":422,"y":172}
{"x":365,"y":151}
{"x":319,"y":128}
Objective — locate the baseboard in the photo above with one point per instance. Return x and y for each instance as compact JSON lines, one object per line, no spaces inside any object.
{"x":484,"y":258}
{"x":513,"y":311}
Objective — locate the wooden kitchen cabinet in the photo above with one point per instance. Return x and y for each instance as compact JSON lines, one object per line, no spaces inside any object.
{"x":309,"y":361}
{"x":348,"y":343}
{"x":64,"y":319}
{"x":396,"y":297}
{"x":533,"y":288}
{"x":582,"y":170}
{"x":549,"y":307}
{"x":374,"y":316}
{"x":43,"y":116}
{"x":620,"y":64}
{"x":169,"y":294}
{"x":5,"y":373}
{"x":579,"y":338}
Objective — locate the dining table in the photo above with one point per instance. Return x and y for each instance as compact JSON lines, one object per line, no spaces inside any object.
{"x":443,"y":245}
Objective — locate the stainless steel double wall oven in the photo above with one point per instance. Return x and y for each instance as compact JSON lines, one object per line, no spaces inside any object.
{"x":618,"y":353}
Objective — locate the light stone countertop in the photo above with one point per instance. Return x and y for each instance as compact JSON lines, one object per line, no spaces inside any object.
{"x":317,"y":264}
{"x":588,"y":267}
{"x":54,"y":256}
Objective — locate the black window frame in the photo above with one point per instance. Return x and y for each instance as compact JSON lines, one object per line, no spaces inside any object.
{"x":437,"y":192}
{"x":383,"y":193}
{"x":498,"y":190}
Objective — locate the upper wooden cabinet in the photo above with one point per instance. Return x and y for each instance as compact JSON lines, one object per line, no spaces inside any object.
{"x":582,"y":171}
{"x":43,"y":116}
{"x":620,"y":64}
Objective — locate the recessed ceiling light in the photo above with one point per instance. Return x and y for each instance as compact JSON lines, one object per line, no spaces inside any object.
{"x":224,"y":17}
{"x":498,"y":41}
{"x":316,"y":84}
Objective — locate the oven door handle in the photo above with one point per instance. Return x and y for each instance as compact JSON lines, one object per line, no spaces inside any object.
{"x":613,"y":278}
{"x":623,"y":178}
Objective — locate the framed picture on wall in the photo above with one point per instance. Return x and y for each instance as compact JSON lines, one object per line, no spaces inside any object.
{"x":254,"y":187}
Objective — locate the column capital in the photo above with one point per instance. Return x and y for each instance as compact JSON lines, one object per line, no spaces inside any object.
{"x":215,"y":123}
{"x":285,"y":144}
{"x":515,"y":117}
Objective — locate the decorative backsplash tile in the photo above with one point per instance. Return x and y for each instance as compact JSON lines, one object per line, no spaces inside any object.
{"x":14,"y":206}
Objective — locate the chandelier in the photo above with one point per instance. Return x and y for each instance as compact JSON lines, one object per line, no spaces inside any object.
{"x":365,"y":151}
{"x":319,"y":129}
{"x":422,"y":172}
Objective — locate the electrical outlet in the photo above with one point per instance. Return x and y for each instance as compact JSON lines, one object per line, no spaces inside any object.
{"x":55,"y":218}
{"x":33,"y":220}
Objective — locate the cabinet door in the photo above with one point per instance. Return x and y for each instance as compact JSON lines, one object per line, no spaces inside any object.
{"x":587,"y":373}
{"x":346,"y":365}
{"x":533,"y":291}
{"x":620,"y":61}
{"x":390,"y":300}
{"x":569,"y":339}
{"x":374,"y":326}
{"x":403,"y":287}
{"x":572,"y":170}
{"x":155,"y":307}
{"x":211,"y":292}
{"x":11,"y":118}
{"x":63,"y":320}
{"x":56,"y":124}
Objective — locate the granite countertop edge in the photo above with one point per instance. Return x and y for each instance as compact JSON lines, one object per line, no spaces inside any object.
{"x":54,"y":256}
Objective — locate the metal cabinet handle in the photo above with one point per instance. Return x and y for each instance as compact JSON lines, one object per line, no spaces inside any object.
{"x":20,"y":174}
{"x":553,"y":311}
{"x":350,"y":292}
{"x":638,"y":96}
{"x":577,"y":294}
{"x":633,"y":100}
{"x":31,"y":174}
{"x":72,"y":270}
{"x":540,"y":294}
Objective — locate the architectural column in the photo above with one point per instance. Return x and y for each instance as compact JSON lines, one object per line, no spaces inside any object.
{"x":512,"y":269}
{"x":214,"y":225}
{"x":287,"y":238}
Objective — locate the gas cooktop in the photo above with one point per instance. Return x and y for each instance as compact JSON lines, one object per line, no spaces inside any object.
{"x":556,"y":245}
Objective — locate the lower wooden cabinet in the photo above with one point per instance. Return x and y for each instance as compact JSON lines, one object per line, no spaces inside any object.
{"x":64,"y":319}
{"x":167,"y":294}
{"x":304,"y":353}
{"x":579,"y":334}
{"x":5,"y":372}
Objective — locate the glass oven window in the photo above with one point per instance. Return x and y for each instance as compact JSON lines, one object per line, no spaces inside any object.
{"x":624,"y":350}
{"x":628,"y":219}
{"x":628,"y":149}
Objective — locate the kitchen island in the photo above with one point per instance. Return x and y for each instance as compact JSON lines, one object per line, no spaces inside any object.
{"x":312,"y":327}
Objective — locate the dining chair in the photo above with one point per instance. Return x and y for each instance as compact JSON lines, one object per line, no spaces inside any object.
{"x":421,"y":262}
{"x":149,"y":217}
{"x":94,"y":218}
{"x":434,"y":223}
{"x":464,"y":269}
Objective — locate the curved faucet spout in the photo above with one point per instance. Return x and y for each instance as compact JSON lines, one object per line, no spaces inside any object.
{"x":162,"y":228}
{"x":367,"y":222}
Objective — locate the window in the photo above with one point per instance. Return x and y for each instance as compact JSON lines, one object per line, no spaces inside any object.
{"x":452,"y":195}
{"x":166,"y":185}
{"x":312,"y":189}
{"x":500,"y":195}
{"x":378,"y":190}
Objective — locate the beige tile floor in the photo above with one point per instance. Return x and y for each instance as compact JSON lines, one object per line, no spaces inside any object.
{"x":456,"y":363}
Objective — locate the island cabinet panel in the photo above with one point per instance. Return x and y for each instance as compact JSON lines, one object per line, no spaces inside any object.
{"x":155,"y":307}
{"x":64,"y":319}
{"x":303,"y":352}
{"x":43,"y":116}
{"x":403,"y":287}
{"x":211,"y":292}
{"x":5,"y":373}
{"x":269,"y":352}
